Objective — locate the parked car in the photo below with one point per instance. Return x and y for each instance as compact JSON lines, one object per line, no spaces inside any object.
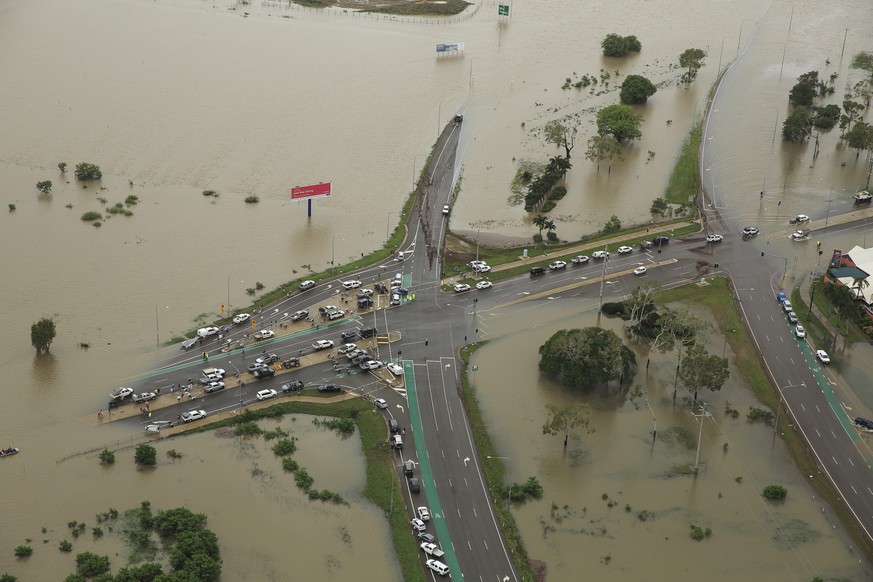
{"x":557,"y":265}
{"x":263,"y":334}
{"x":298,"y":315}
{"x":255,"y":366}
{"x":266,"y":394}
{"x":408,"y":467}
{"x":781,"y":297}
{"x":415,"y":485}
{"x":144,"y":397}
{"x":209,"y":371}
{"x":799,"y":219}
{"x":207,"y":331}
{"x":121,"y":393}
{"x":339,"y":313}
{"x":380,"y":403}
{"x":579,"y":259}
{"x":799,"y":331}
{"x":483,"y":268}
{"x":241,"y":317}
{"x":600,"y":255}
{"x":461,"y":287}
{"x":427,"y":538}
{"x":714,"y":238}
{"x":484,"y":285}
{"x":262,"y":373}
{"x":322,"y":345}
{"x":823,"y":356}
{"x":267,"y":359}
{"x":192,"y":415}
{"x":395,"y":299}
{"x":213,"y":377}
{"x":432,"y":550}
{"x":347,"y":335}
{"x":750,"y":231}
{"x":624,"y":249}
{"x":381,"y":288}
{"x":213,"y":387}
{"x":437,"y":566}
{"x":365,"y":302}
{"x":423,"y":513}
{"x":368,"y":332}
{"x":355,"y":353}
{"x":660,"y":240}
{"x":786,"y":305}
{"x":370,"y":365}
{"x":364,"y":293}
{"x":792,"y":317}
{"x":445,"y":209}
{"x":640,"y":271}
{"x":360,"y":359}
{"x":395,"y":369}
{"x":329,"y":388}
{"x":353,"y":284}
{"x":418,"y":525}
{"x":293,"y":385}
{"x":346,"y":348}
{"x":325,"y":309}
{"x":537,"y":271}
{"x":307,"y":285}
{"x":477,"y":263}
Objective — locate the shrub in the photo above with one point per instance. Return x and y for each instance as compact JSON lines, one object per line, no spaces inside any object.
{"x":290,"y":465}
{"x":658,"y":207}
{"x":698,"y":533}
{"x":89,"y":216}
{"x":612,"y":225}
{"x":62,"y":166}
{"x":553,"y":238}
{"x":557,"y":193}
{"x":11,"y":208}
{"x":759,"y":414}
{"x":89,"y":564}
{"x":303,"y":479}
{"x":131,"y":200}
{"x":174,"y":454}
{"x":775,"y":492}
{"x":86,"y":171}
{"x":97,"y":532}
{"x":285,"y":447}
{"x":210,"y":193}
{"x":107,"y":457}
{"x":23,"y":551}
{"x":146,"y":455}
{"x":45,"y":186}
{"x":548,"y":206}
{"x":65,"y":546}
{"x":615,"y":45}
{"x":247,"y":429}
{"x":252,"y":199}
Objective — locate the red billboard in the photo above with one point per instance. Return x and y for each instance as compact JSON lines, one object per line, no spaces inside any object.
{"x":301,"y":192}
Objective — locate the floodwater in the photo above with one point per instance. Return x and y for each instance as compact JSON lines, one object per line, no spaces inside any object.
{"x":645,"y":534}
{"x":181,"y":96}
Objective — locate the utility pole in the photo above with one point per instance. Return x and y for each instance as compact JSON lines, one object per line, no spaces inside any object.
{"x":603,"y":274}
{"x":702,"y":416}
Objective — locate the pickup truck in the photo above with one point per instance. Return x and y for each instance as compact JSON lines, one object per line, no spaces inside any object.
{"x":432,"y":550}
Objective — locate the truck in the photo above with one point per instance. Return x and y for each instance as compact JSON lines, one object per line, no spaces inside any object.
{"x":432,"y":550}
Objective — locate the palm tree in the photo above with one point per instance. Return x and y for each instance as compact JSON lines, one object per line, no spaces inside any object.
{"x":550,"y":225}
{"x":540,"y":222}
{"x":859,"y":284}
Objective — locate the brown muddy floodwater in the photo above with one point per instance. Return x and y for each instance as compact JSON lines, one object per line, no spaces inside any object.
{"x":645,"y":534}
{"x":180,"y":96}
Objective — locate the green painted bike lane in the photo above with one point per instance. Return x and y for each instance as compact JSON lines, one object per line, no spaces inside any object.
{"x":436,"y":510}
{"x":833,"y":401}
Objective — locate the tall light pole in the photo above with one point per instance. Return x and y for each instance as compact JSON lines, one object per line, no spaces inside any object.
{"x":157,"y":329}
{"x":703,"y":414}
{"x":388,"y":226}
{"x":238,"y":382}
{"x":739,"y":38}
{"x":509,"y":491}
{"x":332,"y":247}
{"x":801,"y":385}
{"x":414,"y":162}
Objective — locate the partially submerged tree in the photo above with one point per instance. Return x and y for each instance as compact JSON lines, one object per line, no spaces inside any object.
{"x":798,"y":126}
{"x":603,"y":149}
{"x":615,"y":45}
{"x":586,"y":357}
{"x":864,"y":61}
{"x":86,"y":171}
{"x":568,"y":420}
{"x":640,"y":307}
{"x":658,"y":207}
{"x":700,"y":369}
{"x":691,"y":59}
{"x":636,"y":89}
{"x":45,"y":186}
{"x":860,"y":137}
{"x":620,"y":122}
{"x":42,"y":333}
{"x":807,"y":87}
{"x":562,"y":135}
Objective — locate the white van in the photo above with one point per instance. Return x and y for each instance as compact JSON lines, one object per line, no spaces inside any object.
{"x":331,"y":315}
{"x":401,"y":256}
{"x":396,"y":441}
{"x":438,"y":567}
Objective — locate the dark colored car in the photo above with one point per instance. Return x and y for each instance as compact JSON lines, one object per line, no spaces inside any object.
{"x":408,"y":468}
{"x":261,"y":373}
{"x":415,"y":485}
{"x":348,"y":335}
{"x":381,"y":288}
{"x":660,"y":240}
{"x":358,"y":360}
{"x":368,"y":332}
{"x":365,"y":302}
{"x":394,"y":425}
{"x":224,"y":329}
{"x":537,"y":271}
{"x":402,"y":291}
{"x":329,"y":388}
{"x":292,"y":386}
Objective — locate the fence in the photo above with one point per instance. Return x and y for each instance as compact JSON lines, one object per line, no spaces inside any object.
{"x":471,"y":11}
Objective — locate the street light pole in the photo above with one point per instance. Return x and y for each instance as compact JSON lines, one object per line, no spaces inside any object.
{"x":157,"y":331}
{"x":801,"y":385}
{"x":703,"y":414}
{"x":332,"y":247}
{"x":741,"y":36}
{"x":238,"y":382}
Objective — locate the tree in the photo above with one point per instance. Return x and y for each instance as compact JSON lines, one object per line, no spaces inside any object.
{"x":636,"y":89}
{"x":561,"y":135}
{"x":798,"y":126}
{"x":540,"y":221}
{"x":641,"y":306}
{"x":568,"y":420}
{"x":691,"y":59}
{"x":586,"y":357}
{"x":86,"y":171}
{"x":549,"y":225}
{"x":89,"y":564}
{"x":678,"y":329}
{"x":145,"y":455}
{"x":45,"y":186}
{"x":826,"y":117}
{"x":807,"y":87}
{"x":619,"y":121}
{"x":139,"y":573}
{"x":615,"y":45}
{"x":107,"y":457}
{"x":658,"y":207}
{"x":700,"y":369}
{"x":603,"y":149}
{"x":859,"y":284}
{"x":775,"y":492}
{"x":612,"y":225}
{"x":62,"y":166}
{"x":860,"y":137}
{"x":42,"y":333}
{"x":852,"y":113}
{"x":863,"y":60}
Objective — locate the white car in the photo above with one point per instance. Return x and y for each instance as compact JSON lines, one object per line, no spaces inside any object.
{"x":437,"y":567}
{"x":423,"y":513}
{"x":418,"y":525}
{"x":346,"y":348}
{"x":264,"y":334}
{"x":380,"y":403}
{"x":799,"y":234}
{"x":207,"y":331}
{"x":484,"y":285}
{"x":625,"y":249}
{"x":395,"y":369}
{"x":823,"y":356}
{"x":792,"y":317}
{"x":579,"y":260}
{"x":600,"y":254}
{"x":298,"y":315}
{"x":799,"y":331}
{"x":370,"y":365}
{"x":307,"y":285}
{"x":714,"y":238}
{"x":461,"y":287}
{"x":144,"y":397}
{"x":476,"y":264}
{"x":354,"y":284}
{"x":799,"y":219}
{"x":266,"y":394}
{"x":482,"y":268}
{"x":445,"y":208}
{"x":323,"y":345}
{"x":193,"y":415}
{"x":557,"y":265}
{"x":786,"y":305}
{"x":241,"y":317}
{"x":750,"y":231}
{"x":214,"y":386}
{"x":640,"y":271}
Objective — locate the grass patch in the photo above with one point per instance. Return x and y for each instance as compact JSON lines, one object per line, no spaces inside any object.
{"x":719,"y":299}
{"x":91,"y":215}
{"x":447,"y":8}
{"x":684,"y":182}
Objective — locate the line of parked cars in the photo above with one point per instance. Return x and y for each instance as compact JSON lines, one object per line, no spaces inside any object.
{"x":799,"y":332}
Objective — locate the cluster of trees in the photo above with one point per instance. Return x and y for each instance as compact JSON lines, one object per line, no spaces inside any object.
{"x":805,"y":115}
{"x":86,"y":171}
{"x":542,"y":186}
{"x":543,"y":223}
{"x":615,"y":124}
{"x":636,"y":90}
{"x":856,"y":133}
{"x":615,"y":45}
{"x":586,"y":357}
{"x":44,"y":186}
